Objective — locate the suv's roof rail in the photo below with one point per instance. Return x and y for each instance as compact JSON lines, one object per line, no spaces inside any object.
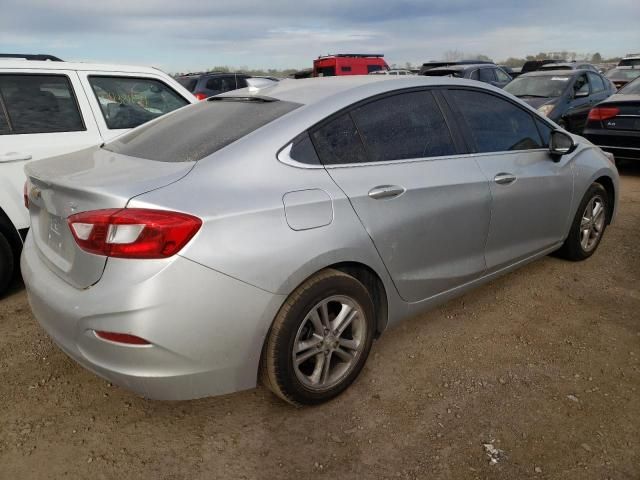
{"x":357,"y":55}
{"x":31,"y":56}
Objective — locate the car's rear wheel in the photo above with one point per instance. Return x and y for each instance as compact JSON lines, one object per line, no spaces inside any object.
{"x":320,"y":339}
{"x":588,"y":225}
{"x":7,"y":263}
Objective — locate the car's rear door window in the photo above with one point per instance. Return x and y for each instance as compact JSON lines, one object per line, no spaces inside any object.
{"x":486,"y":75}
{"x":34,"y":103}
{"x":403,"y":126}
{"x":338,"y":142}
{"x":495,"y":124}
{"x":199,"y":130}
{"x":127,"y":102}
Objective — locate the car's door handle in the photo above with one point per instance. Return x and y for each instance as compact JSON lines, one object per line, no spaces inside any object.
{"x":14,"y":157}
{"x":504,"y":178}
{"x":386,"y":191}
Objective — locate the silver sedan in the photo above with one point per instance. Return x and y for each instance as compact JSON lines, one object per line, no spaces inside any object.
{"x":272,"y":233}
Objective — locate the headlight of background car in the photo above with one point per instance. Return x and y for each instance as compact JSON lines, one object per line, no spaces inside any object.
{"x":546,"y":109}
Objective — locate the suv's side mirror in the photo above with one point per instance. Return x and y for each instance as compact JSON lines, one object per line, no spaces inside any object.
{"x":560,"y":144}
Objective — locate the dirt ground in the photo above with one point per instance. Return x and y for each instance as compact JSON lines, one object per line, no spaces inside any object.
{"x":543,"y":364}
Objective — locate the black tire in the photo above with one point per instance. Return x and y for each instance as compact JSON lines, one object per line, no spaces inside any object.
{"x":7,"y":264}
{"x":277,"y":365}
{"x":573,"y":249}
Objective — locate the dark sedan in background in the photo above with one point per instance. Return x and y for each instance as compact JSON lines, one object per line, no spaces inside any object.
{"x":564,"y":96}
{"x":484,"y":72}
{"x":620,"y":76}
{"x":614,"y":125}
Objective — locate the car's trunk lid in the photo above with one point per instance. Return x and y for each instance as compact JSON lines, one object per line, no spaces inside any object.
{"x":628,"y":116}
{"x":91,"y":179}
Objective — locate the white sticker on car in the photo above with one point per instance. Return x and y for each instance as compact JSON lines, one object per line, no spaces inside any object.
{"x":560,"y":79}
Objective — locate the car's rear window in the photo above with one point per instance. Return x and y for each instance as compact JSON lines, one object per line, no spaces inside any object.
{"x":192,"y":133}
{"x":188,"y":82}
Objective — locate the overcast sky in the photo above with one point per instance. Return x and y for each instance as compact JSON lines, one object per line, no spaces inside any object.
{"x":193,"y":35}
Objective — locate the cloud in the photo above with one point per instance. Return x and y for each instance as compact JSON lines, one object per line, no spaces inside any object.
{"x":192,"y":34}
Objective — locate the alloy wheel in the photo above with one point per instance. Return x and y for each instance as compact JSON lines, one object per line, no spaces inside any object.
{"x":329,"y":342}
{"x":592,"y":223}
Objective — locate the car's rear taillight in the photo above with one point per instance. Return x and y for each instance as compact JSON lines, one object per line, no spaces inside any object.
{"x":603,"y":113}
{"x":201,"y":96}
{"x":133,"y":232}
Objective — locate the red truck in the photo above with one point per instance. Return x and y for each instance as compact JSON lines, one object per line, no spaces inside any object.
{"x":348,"y":64}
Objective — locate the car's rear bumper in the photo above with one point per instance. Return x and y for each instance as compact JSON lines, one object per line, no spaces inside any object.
{"x":624,"y":144}
{"x":206,"y":329}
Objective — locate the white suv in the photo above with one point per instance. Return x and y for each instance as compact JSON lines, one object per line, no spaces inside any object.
{"x":52,"y":107}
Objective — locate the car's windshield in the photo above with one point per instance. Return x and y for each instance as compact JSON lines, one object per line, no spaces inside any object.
{"x":550,"y":86}
{"x":631,"y":88}
{"x":623,"y":73}
{"x":195,"y":132}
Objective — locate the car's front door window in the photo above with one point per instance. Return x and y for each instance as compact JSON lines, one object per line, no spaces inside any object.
{"x":496,"y":125}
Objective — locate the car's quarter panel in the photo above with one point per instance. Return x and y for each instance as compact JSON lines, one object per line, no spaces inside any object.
{"x":218,"y":346}
{"x":432,"y":236}
{"x":17,"y":150}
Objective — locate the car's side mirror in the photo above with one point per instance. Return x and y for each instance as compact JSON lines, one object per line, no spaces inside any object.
{"x":561,"y":143}
{"x":581,"y":94}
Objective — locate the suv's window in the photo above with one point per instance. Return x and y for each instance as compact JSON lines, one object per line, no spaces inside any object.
{"x":403,"y":126}
{"x":38,"y":104}
{"x":202,"y":129}
{"x":188,"y":82}
{"x":475,"y":75}
{"x":242,"y":82}
{"x":496,"y":124}
{"x":502,"y":77}
{"x":597,"y":85}
{"x":221,"y":84}
{"x":338,"y":142}
{"x":486,"y":75}
{"x":127,"y":102}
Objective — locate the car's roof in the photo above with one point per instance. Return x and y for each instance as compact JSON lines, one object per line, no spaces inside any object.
{"x":548,"y":73}
{"x":351,"y":88}
{"x":12,"y":63}
{"x":462,"y":67}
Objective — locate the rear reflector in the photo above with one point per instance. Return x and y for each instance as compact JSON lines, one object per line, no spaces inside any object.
{"x":121,"y":338}
{"x":133,"y":232}
{"x":201,"y":96}
{"x":603,"y":113}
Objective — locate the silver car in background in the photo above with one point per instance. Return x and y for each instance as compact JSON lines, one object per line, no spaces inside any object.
{"x":274,"y":233}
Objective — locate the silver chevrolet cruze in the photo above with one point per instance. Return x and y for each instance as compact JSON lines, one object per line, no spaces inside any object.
{"x":274,"y":233}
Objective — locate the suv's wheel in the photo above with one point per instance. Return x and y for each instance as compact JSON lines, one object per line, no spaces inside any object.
{"x":588,"y":225}
{"x":6,"y":263}
{"x":320,"y":339}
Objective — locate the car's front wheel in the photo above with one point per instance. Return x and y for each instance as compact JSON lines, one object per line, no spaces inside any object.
{"x":588,"y":225}
{"x":320,"y":339}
